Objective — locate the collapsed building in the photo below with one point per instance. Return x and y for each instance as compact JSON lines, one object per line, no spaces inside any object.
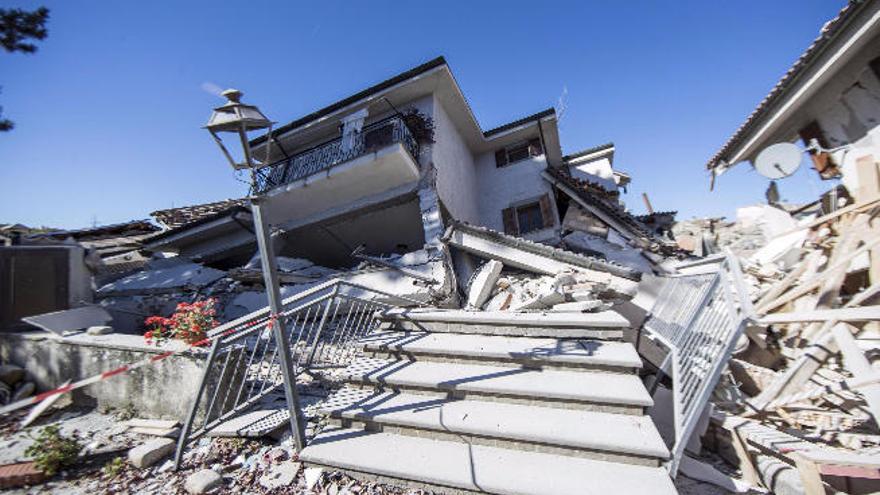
{"x":474,"y":311}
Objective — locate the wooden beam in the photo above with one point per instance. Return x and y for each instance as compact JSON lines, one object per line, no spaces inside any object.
{"x":865,"y":313}
{"x":855,"y":361}
{"x":808,"y":265}
{"x":853,"y":208}
{"x":800,"y":371}
{"x":815,"y":393}
{"x":834,"y":270}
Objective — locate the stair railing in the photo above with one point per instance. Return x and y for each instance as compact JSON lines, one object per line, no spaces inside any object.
{"x":699,"y":319}
{"x":243,"y":367}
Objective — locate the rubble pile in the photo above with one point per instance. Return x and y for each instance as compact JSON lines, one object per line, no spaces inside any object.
{"x":567,"y":291}
{"x":801,"y":384}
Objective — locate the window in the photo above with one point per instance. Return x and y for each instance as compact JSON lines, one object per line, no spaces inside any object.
{"x":519,"y":151}
{"x":528,"y":217}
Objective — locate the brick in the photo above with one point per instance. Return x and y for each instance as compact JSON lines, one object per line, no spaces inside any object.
{"x":20,"y":474}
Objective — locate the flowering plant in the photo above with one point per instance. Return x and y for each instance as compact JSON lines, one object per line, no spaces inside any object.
{"x":189,"y":323}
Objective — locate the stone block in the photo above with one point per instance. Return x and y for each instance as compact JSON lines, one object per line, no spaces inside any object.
{"x":11,"y":374}
{"x":203,"y":481}
{"x":151,"y":452}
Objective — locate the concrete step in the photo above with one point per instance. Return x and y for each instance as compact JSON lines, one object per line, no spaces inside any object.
{"x":479,"y":468}
{"x":591,"y":434}
{"x":594,"y":390}
{"x":527,"y":351}
{"x":601,"y":325}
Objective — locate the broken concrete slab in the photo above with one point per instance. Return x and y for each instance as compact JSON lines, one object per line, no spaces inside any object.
{"x":149,"y":453}
{"x":531,"y":256}
{"x":162,"y":276}
{"x":70,"y":320}
{"x":280,"y":475}
{"x":483,"y":282}
{"x":583,"y":242}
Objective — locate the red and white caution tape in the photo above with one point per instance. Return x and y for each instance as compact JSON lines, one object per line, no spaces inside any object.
{"x":269,"y":322}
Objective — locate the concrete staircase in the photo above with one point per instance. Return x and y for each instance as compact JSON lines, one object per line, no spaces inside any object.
{"x":440,"y":400}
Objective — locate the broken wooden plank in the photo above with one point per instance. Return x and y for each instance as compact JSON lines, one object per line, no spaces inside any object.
{"x":799,"y":372}
{"x":808,"y":265}
{"x":856,"y":362}
{"x":834,"y":270}
{"x":853,"y":208}
{"x":864,"y":313}
{"x":815,"y":393}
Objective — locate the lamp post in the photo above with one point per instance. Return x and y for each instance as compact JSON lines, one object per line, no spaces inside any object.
{"x":236,"y":117}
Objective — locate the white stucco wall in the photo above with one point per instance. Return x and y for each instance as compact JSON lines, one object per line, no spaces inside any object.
{"x":514,"y":184}
{"x":456,"y":176}
{"x":849,"y":113}
{"x":597,"y":170}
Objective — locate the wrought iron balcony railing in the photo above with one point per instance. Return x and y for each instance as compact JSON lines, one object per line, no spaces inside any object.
{"x":371,"y":138}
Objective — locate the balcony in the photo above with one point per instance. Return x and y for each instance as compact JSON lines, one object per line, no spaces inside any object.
{"x":371,"y":139}
{"x":372,"y":167}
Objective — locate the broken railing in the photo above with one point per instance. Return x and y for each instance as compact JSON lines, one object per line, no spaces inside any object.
{"x":698,"y":318}
{"x":243,"y":369}
{"x":370,"y":138}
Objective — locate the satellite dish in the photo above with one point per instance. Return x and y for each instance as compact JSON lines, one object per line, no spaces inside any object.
{"x":778,"y":160}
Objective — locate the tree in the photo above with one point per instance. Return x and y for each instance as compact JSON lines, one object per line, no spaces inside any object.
{"x":17,"y":27}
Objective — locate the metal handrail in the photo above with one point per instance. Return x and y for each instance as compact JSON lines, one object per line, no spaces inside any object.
{"x":323,"y":325}
{"x":699,"y":318}
{"x":336,"y":151}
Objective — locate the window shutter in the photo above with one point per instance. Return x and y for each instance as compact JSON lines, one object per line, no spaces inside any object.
{"x":508,"y":216}
{"x":501,"y":158}
{"x":547,"y":211}
{"x":535,"y":148}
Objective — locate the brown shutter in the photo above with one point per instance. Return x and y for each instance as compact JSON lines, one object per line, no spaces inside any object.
{"x":547,"y":211}
{"x":535,"y":148}
{"x":501,"y":158}
{"x":508,"y":216}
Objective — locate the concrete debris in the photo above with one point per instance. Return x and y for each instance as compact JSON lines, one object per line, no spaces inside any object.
{"x":313,"y":476}
{"x":482,"y":283}
{"x":591,"y":244}
{"x":280,"y":475}
{"x":163,"y":275}
{"x":793,"y":388}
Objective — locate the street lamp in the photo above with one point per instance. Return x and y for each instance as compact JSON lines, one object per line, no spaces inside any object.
{"x":239,"y":118}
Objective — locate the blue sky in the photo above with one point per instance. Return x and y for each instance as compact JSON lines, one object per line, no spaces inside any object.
{"x":109,"y":111}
